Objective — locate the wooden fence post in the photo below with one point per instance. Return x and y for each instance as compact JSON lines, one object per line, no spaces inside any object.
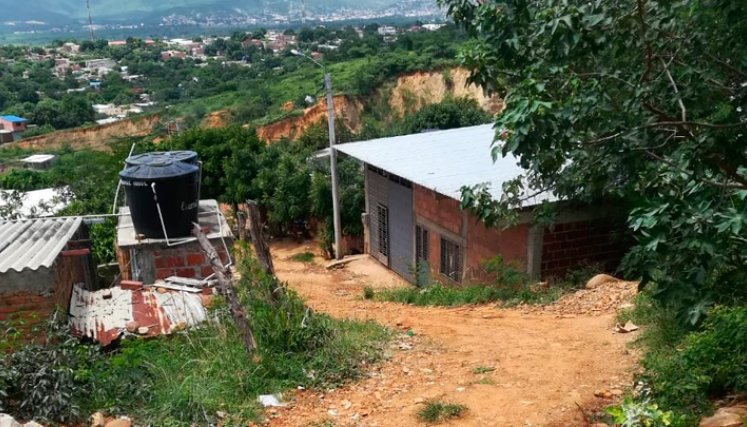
{"x":238,"y":313}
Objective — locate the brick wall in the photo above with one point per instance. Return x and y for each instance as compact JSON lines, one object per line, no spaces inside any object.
{"x":30,"y":308}
{"x":160,"y":261}
{"x":485,"y":243}
{"x":441,"y":216}
{"x":573,"y":244}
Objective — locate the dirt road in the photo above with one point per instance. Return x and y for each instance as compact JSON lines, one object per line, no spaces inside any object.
{"x":509,"y":367}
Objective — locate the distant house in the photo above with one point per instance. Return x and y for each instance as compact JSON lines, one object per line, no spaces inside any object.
{"x":12,"y":127}
{"x":40,"y":262}
{"x":39,"y":161}
{"x":117,"y":43}
{"x":100,"y":66}
{"x":168,"y":54}
{"x":70,"y":48}
{"x":386,"y":30}
{"x":413,"y":221}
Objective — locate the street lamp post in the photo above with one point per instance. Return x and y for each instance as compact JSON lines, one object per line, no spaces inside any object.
{"x":332,"y":152}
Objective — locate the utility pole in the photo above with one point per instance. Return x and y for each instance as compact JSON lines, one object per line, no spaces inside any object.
{"x":90,"y":18}
{"x":333,"y":163}
{"x":332,"y":152}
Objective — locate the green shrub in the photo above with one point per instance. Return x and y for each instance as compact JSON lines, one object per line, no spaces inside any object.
{"x":707,"y":364}
{"x":47,"y":380}
{"x":641,"y":414}
{"x":436,"y":411}
{"x":368,"y":292}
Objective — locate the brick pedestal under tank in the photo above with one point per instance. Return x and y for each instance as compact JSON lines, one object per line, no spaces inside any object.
{"x":148,"y":260}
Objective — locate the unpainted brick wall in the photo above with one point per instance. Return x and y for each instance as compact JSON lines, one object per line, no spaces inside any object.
{"x":27,"y":307}
{"x":480,"y":243}
{"x":184,"y":261}
{"x":573,"y":244}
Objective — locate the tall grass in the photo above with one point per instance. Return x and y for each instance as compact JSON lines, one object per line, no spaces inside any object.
{"x":186,"y":379}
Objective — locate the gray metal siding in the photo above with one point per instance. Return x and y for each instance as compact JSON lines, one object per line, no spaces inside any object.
{"x":401,"y":230}
{"x":377,"y":193}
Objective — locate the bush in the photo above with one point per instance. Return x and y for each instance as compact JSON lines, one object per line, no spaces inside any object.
{"x":640,"y":414}
{"x":47,"y":380}
{"x":707,"y":364}
{"x":436,"y":411}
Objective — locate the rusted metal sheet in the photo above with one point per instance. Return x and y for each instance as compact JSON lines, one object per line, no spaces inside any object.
{"x":104,"y":315}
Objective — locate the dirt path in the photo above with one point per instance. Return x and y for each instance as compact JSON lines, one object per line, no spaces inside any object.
{"x":544,"y":365}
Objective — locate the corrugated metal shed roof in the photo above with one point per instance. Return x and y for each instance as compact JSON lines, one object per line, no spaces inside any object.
{"x":443,"y":161}
{"x":103,"y":315}
{"x":34,"y":243}
{"x":13,"y":119}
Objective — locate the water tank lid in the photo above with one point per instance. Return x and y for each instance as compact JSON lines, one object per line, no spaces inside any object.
{"x":154,"y":171}
{"x":160,"y":156}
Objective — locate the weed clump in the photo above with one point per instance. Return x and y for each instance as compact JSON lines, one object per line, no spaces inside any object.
{"x":436,"y":411}
{"x":305,"y":257}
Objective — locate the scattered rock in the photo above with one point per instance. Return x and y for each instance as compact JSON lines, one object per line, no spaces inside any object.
{"x":97,"y":419}
{"x":730,"y":416}
{"x":599,"y":425}
{"x":599,"y":280}
{"x":142,"y":331}
{"x":119,"y":422}
{"x":32,"y":424}
{"x":629,"y":326}
{"x":8,"y":421}
{"x":604,"y":298}
{"x":131,"y":327}
{"x":347,"y":404}
{"x":419,"y":400}
{"x":221,"y":414}
{"x":161,"y":290}
{"x":603,"y":394}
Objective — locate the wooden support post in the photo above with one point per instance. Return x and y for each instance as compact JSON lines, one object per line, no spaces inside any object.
{"x":261,"y":247}
{"x":240,"y":317}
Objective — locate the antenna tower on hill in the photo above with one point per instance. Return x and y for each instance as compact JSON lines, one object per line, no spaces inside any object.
{"x":90,"y":19}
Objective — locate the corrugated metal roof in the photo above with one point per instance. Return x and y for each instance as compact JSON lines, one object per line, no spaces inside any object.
{"x":443,"y":161}
{"x":34,"y":243}
{"x":13,"y":119}
{"x":103,"y":315}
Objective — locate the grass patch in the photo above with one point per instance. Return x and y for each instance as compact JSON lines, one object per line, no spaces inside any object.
{"x":186,"y":378}
{"x":686,"y":369}
{"x":478,"y":370}
{"x":304,"y":257}
{"x":368,"y":292}
{"x":436,"y":411}
{"x":450,"y":296}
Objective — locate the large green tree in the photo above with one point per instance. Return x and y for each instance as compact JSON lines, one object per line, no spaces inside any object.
{"x":638,"y":101}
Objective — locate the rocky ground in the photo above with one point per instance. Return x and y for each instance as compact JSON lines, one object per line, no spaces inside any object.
{"x":525,"y":366}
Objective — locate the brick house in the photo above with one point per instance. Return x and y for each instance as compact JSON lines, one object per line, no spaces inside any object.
{"x":147,"y":259}
{"x":13,"y":125}
{"x":412,"y":216}
{"x":40,"y":262}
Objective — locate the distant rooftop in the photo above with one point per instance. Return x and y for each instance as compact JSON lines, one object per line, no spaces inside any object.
{"x":13,"y":119}
{"x":40,"y":203}
{"x":39,"y":158}
{"x":443,"y":161}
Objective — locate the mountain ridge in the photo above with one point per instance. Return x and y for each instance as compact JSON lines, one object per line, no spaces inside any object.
{"x":57,"y":11}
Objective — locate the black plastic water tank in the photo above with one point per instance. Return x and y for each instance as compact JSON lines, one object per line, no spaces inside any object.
{"x":174,"y":185}
{"x":162,"y":156}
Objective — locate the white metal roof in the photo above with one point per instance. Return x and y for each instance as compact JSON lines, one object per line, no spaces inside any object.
{"x":40,"y":203}
{"x":443,"y":161}
{"x":34,"y":243}
{"x":39,"y":158}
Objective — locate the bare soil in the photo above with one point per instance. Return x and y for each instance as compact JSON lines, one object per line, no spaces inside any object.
{"x":509,"y":367}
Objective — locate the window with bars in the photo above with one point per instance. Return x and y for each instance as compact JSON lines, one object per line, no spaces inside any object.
{"x":421,"y":244}
{"x":451,"y":260}
{"x":382,"y":218}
